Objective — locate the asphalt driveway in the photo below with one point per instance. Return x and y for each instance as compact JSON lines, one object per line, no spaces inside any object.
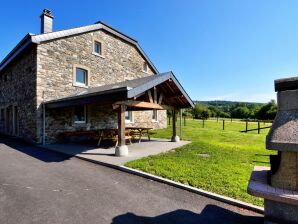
{"x":39,"y":186}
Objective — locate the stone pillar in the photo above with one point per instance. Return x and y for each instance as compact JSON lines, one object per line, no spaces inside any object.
{"x":175,"y":137}
{"x":121,"y":148}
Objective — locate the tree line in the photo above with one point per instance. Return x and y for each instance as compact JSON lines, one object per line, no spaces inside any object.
{"x":228,"y":109}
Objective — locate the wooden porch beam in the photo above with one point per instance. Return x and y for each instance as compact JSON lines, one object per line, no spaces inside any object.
{"x":140,"y":104}
{"x":150,"y":96}
{"x":155,"y":95}
{"x":160,"y":98}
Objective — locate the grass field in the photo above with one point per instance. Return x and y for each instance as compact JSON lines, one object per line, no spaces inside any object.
{"x":216,"y":160}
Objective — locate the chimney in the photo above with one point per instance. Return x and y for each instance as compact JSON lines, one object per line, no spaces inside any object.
{"x":46,"y":25}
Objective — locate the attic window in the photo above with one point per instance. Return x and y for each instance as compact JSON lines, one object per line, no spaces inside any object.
{"x":97,"y":48}
{"x":145,"y":67}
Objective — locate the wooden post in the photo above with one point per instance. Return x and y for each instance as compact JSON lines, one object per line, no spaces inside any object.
{"x":169,"y":120}
{"x":175,"y":138}
{"x":203,"y":122}
{"x":258,"y":127}
{"x":231,"y":119}
{"x":184,"y":120}
{"x":217,"y":118}
{"x":121,"y":149}
{"x":223,"y":124}
{"x":246,"y":125}
{"x":180,"y":123}
{"x":121,"y":125}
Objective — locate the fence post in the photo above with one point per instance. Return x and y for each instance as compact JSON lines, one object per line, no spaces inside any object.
{"x":184,"y":120}
{"x":223,"y":124}
{"x":246,"y":125}
{"x":203,"y":122}
{"x":217,"y":118}
{"x":231,"y":119}
{"x":258,"y":127}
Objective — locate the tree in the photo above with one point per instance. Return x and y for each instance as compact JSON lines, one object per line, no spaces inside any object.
{"x":240,"y":112}
{"x":267,"y":111}
{"x":201,"y":111}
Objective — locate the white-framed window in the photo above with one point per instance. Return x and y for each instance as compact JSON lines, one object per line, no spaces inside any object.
{"x":145,"y":67}
{"x":154,"y":115}
{"x":97,"y":47}
{"x":81,"y":77}
{"x":128,"y":117}
{"x":80,"y":115}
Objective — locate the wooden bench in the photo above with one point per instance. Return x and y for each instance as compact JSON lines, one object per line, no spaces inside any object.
{"x":68,"y":134}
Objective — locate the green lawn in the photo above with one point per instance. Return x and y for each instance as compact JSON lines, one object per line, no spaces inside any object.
{"x":216,"y":160}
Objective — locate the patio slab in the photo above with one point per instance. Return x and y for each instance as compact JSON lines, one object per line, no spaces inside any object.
{"x":107,"y":155}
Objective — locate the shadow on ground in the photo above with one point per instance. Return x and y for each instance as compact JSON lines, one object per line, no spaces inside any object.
{"x":32,"y":150}
{"x":211,"y":214}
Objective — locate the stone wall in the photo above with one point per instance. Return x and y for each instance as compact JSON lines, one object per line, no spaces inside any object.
{"x":56,"y":62}
{"x":18,"y":93}
{"x":98,"y":117}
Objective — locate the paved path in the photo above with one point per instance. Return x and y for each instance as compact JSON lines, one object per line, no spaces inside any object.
{"x":39,"y":186}
{"x":107,"y":154}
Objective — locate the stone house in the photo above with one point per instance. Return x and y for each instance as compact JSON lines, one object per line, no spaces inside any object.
{"x":74,"y":79}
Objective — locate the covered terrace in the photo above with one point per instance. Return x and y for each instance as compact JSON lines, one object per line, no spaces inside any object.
{"x":156,"y":92}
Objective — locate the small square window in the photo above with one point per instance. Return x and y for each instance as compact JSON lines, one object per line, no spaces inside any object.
{"x":80,"y":114}
{"x":145,"y":67}
{"x":97,"y":48}
{"x":128,"y":116}
{"x":154,"y":115}
{"x":81,"y":77}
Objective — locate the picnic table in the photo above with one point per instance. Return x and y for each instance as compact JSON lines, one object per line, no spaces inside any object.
{"x":139,"y":132}
{"x":111,"y":134}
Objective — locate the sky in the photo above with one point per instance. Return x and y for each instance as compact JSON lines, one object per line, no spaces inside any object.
{"x":218,"y":50}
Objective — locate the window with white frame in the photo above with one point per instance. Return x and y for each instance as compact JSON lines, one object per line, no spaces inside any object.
{"x":80,"y":116}
{"x":128,"y":116}
{"x":81,"y":77}
{"x":97,"y":47}
{"x":154,"y":115}
{"x":145,"y":67}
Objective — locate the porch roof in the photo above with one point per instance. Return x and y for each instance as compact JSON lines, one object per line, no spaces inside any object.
{"x":165,"y":83}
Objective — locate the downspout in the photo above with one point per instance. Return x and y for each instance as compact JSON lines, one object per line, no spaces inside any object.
{"x":43,"y":120}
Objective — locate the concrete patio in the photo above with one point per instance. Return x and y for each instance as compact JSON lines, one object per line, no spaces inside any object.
{"x":107,"y":154}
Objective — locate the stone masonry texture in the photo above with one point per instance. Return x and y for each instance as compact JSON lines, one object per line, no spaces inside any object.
{"x":18,"y":96}
{"x":45,"y":72}
{"x":56,"y":61}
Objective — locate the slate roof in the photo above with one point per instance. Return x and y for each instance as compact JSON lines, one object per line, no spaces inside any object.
{"x":40,"y":38}
{"x":129,"y":89}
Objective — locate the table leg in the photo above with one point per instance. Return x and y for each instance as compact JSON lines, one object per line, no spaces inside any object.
{"x":100,"y":138}
{"x":140,"y":137}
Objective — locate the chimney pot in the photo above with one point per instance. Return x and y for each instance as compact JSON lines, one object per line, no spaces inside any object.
{"x":46,"y":21}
